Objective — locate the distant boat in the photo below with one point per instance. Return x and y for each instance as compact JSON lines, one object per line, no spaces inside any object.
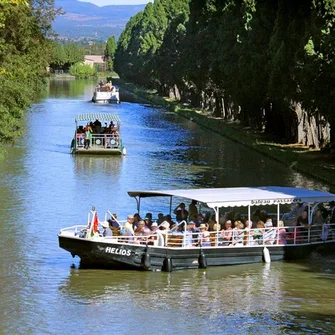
{"x":97,"y":133}
{"x":181,"y":248}
{"x":106,"y":93}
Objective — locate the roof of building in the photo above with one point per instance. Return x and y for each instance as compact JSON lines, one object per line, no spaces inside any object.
{"x":94,"y":58}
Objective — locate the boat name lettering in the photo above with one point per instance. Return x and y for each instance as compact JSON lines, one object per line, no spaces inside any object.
{"x":275,"y":201}
{"x":118,"y":251}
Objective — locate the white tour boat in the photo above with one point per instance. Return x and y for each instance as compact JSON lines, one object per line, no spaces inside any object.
{"x":97,"y":133}
{"x":178,"y":248}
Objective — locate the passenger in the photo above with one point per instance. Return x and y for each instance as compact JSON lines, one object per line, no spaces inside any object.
{"x":295,"y":235}
{"x":226,"y":234}
{"x":290,"y":217}
{"x":192,"y":209}
{"x":164,"y":227}
{"x":258,"y":232}
{"x":148,"y":219}
{"x":216,"y":227}
{"x":191,"y":234}
{"x":263,"y":215}
{"x":269,"y":235}
{"x":238,"y":233}
{"x":129,"y":226}
{"x":142,"y":229}
{"x":204,"y":236}
{"x":302,"y":222}
{"x":111,"y":125}
{"x":169,"y":220}
{"x":281,"y":233}
{"x":160,"y":218}
{"x":137,"y":219}
{"x":114,"y":225}
{"x":154,"y":226}
{"x":316,"y":227}
{"x":88,"y":136}
{"x":210,"y":225}
{"x":106,"y":230}
{"x":255,"y":217}
{"x":181,"y":212}
{"x":248,"y":233}
{"x":206,"y":217}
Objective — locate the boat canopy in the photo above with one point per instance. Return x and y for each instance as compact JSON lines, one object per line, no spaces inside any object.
{"x":97,"y":116}
{"x":243,"y":196}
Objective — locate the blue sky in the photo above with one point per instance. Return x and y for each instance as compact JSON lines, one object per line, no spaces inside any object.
{"x":117,"y":2}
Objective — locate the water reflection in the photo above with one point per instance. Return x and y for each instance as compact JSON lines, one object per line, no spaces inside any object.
{"x":230,"y":300}
{"x":89,"y":165}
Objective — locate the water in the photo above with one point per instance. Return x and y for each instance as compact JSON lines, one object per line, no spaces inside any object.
{"x":44,"y":188}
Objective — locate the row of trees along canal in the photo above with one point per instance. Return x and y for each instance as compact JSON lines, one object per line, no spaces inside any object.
{"x":269,"y":64}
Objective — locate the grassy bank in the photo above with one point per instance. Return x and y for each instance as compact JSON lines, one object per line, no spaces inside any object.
{"x":300,"y":158}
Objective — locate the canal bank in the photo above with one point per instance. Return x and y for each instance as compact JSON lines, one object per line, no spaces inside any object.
{"x":297,"y":157}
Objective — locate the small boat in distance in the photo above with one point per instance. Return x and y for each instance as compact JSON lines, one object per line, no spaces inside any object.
{"x":184,"y":246}
{"x":97,"y":133}
{"x":106,"y":93}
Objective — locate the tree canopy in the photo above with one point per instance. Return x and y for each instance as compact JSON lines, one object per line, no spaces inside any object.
{"x":24,"y":49}
{"x":248,"y":60}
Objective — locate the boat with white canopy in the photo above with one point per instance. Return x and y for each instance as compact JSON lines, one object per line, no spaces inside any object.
{"x":181,"y":248}
{"x":97,"y":133}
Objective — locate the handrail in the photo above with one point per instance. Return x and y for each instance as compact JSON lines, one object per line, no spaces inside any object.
{"x":292,"y":235}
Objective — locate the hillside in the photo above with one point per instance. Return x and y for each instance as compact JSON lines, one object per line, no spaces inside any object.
{"x":84,"y":20}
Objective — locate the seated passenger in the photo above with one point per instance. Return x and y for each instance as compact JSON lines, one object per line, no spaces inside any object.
{"x":258,"y":232}
{"x":106,"y":230}
{"x":226,"y":234}
{"x":160,"y":218}
{"x":204,"y":236}
{"x":142,"y":229}
{"x":281,"y":233}
{"x":191,"y":237}
{"x":269,"y":234}
{"x":238,"y":233}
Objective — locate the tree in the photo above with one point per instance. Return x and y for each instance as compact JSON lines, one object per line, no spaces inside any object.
{"x":110,"y":52}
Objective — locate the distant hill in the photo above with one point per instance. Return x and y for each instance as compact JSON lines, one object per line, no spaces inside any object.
{"x":84,"y":20}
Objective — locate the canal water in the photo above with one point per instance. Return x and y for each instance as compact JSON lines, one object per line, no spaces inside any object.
{"x":43,"y":188}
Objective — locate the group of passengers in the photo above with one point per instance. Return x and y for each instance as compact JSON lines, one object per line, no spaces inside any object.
{"x":95,"y":127}
{"x":233,"y":229}
{"x":106,"y":87}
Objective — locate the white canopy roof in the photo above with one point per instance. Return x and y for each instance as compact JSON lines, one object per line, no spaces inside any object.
{"x":243,"y":196}
{"x":97,"y":116}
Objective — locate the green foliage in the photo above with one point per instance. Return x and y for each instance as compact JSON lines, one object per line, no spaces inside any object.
{"x":24,"y":53}
{"x":110,"y":52}
{"x":82,"y":70}
{"x":65,"y":55}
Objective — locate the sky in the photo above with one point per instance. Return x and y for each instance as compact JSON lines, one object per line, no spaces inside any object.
{"x":117,"y":2}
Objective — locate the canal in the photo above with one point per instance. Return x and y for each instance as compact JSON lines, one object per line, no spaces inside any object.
{"x":43,"y":188}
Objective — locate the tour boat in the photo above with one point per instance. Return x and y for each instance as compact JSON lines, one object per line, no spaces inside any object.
{"x":106,"y":94}
{"x":103,"y":132}
{"x":174,"y":249}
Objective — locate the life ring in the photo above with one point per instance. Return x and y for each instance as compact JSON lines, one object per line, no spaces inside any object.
{"x":114,"y":142}
{"x":98,"y":141}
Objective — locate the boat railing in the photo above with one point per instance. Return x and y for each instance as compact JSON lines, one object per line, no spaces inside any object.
{"x":99,"y":140}
{"x":291,"y":235}
{"x":75,"y":230}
